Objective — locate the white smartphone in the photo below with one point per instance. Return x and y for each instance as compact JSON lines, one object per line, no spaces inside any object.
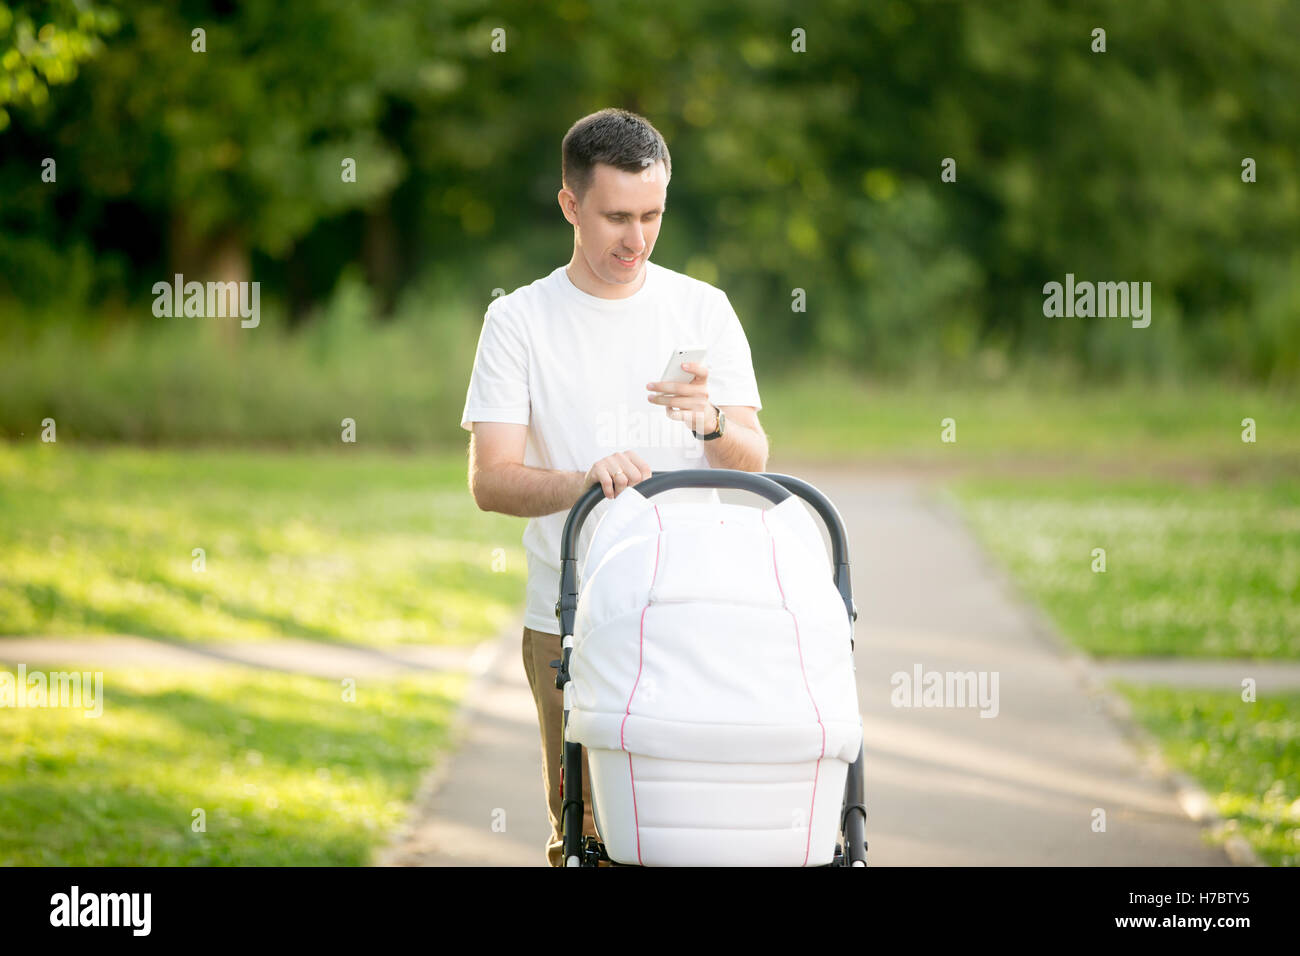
{"x":674,"y":372}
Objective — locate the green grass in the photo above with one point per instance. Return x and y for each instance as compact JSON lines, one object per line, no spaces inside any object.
{"x":285,"y":771}
{"x":1197,"y":570}
{"x":346,"y":545}
{"x":1246,"y":755}
{"x":189,"y":382}
{"x":1034,"y":419}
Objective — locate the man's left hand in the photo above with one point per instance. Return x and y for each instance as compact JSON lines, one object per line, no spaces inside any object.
{"x":687,"y":401}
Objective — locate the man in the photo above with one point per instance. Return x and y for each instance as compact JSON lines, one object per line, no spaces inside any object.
{"x":561,"y":396}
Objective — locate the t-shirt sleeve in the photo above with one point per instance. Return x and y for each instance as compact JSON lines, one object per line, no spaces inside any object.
{"x":498,"y":385}
{"x":731,"y":368}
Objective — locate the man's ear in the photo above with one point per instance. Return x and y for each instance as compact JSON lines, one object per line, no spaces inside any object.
{"x":567,"y":199}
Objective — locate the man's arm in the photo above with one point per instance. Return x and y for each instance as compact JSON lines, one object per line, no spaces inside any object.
{"x":500,"y":481}
{"x":743,"y":445}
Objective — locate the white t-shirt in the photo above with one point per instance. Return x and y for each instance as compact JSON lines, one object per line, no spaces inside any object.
{"x":573,"y":367}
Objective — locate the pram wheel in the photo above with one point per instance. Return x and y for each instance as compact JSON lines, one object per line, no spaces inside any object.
{"x":595,"y":854}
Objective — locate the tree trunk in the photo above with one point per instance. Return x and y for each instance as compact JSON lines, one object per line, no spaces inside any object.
{"x":379,"y":256}
{"x":214,"y":257}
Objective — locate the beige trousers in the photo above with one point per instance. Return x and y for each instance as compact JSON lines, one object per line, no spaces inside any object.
{"x":539,"y":649}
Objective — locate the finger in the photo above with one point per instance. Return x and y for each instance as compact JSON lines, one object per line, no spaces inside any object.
{"x":630,"y":471}
{"x":689,"y":396}
{"x":701,"y":372}
{"x":606,"y":482}
{"x":641,"y":465}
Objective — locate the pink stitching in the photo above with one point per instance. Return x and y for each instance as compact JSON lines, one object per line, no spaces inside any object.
{"x":816,"y":774}
{"x":636,"y":819}
{"x":627,"y":712}
{"x":799,"y":646}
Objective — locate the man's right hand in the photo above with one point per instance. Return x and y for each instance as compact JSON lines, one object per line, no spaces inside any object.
{"x":616,"y":472}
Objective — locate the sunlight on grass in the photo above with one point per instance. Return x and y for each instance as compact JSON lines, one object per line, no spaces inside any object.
{"x":1205,"y":571}
{"x":285,"y":770}
{"x":1245,"y":754}
{"x":372,"y":548}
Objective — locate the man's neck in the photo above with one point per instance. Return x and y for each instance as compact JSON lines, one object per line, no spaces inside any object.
{"x":583,"y":278}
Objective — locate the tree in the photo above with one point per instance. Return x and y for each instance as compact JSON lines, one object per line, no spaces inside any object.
{"x":36,"y":54}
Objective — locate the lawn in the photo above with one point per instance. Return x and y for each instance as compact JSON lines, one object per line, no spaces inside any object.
{"x":284,"y":770}
{"x":1035,"y":420}
{"x":345,"y":545}
{"x":372,"y":548}
{"x":1195,"y":570}
{"x":1246,"y":754}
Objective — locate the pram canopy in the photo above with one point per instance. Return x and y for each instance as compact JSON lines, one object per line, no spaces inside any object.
{"x":713,"y":633}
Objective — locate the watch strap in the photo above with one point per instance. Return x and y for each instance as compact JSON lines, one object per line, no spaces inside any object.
{"x":717,"y":432}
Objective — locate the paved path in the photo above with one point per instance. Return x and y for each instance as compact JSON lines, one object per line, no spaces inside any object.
{"x":944,"y":785}
{"x":327,"y":659}
{"x":290,"y":655}
{"x":487,"y":805}
{"x":947,"y":786}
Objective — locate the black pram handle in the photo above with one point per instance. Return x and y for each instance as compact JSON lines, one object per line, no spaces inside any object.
{"x":774,"y":487}
{"x":667,"y":481}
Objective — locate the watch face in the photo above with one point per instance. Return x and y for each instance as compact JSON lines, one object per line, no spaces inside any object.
{"x":717,"y":432}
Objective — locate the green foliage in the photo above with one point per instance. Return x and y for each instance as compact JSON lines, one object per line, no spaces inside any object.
{"x":817,"y":171}
{"x":190,"y":380}
{"x":36,"y":54}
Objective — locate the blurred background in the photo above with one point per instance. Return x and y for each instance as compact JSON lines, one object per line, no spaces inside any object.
{"x":818,"y":171}
{"x":128,"y":154}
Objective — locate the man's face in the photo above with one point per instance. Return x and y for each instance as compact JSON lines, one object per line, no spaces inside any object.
{"x":618,"y":219}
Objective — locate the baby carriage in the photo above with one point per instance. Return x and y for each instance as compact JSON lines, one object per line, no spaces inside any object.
{"x":707,"y":668}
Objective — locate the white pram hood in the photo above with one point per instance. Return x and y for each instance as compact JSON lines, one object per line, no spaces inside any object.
{"x":711,"y":632}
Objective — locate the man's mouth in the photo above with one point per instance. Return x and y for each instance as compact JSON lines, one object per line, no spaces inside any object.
{"x":627,"y":262}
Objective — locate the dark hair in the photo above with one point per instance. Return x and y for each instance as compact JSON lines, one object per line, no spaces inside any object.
{"x":614,"y":137}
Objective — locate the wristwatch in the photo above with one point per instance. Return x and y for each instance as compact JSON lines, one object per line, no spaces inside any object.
{"x":717,"y":432}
